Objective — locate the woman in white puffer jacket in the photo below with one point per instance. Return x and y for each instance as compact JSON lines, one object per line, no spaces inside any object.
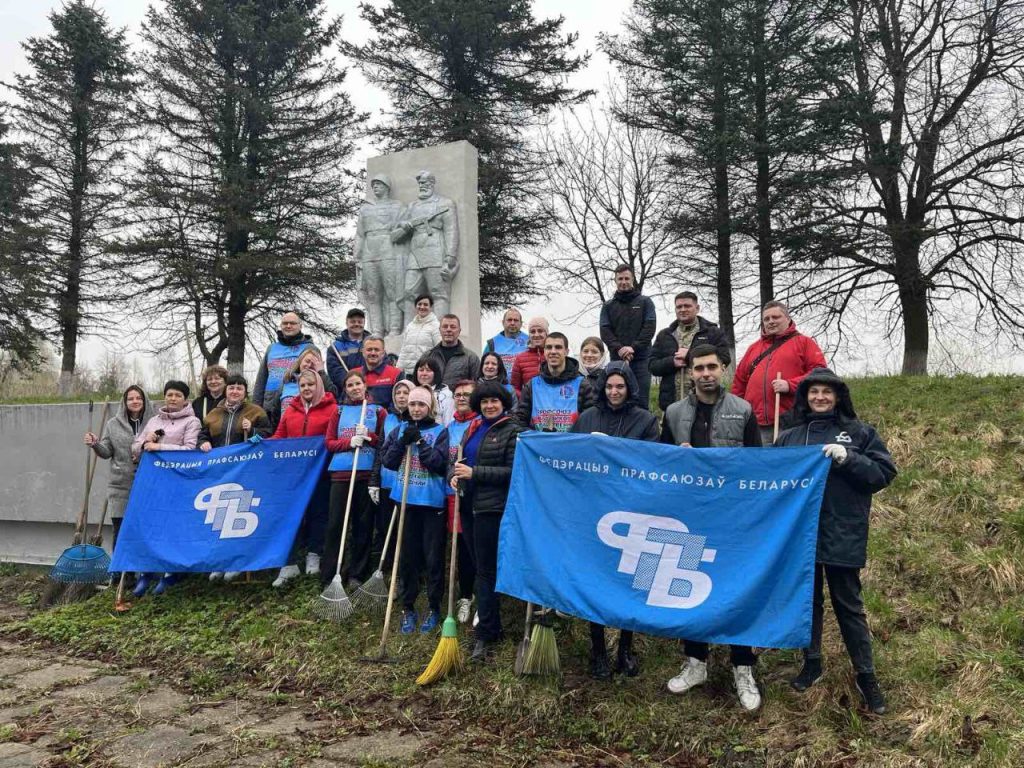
{"x":421,"y":335}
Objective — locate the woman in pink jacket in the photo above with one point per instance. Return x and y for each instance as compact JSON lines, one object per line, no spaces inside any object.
{"x":174,"y":428}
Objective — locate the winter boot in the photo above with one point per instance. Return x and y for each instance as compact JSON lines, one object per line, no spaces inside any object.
{"x":867,"y":686}
{"x":809,"y":675}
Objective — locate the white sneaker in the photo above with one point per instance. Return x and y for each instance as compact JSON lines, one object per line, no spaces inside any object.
{"x":693,"y":673}
{"x":286,"y":574}
{"x":312,"y":564}
{"x":462,"y":609}
{"x":746,"y":688}
{"x":231,"y":575}
{"x":216,"y":575}
{"x":476,"y":618}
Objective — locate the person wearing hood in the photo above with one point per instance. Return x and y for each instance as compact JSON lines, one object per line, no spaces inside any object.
{"x":593,"y":359}
{"x":421,"y":335}
{"x":455,"y":361}
{"x":424,"y":535}
{"x":554,"y":399}
{"x":710,"y":417}
{"x":119,"y":433}
{"x":308,"y":360}
{"x":383,"y":479}
{"x":627,"y":325}
{"x":671,"y":345}
{"x":235,"y":419}
{"x":279,"y":357}
{"x":780,"y":350}
{"x":345,"y":352}
{"x":344,"y":435}
{"x":823,"y":415}
{"x":308,"y":415}
{"x":483,"y":477}
{"x":619,"y":415}
{"x":527,"y":364}
{"x":428,"y":374}
{"x":211,"y":393}
{"x":461,"y":422}
{"x":173,"y":428}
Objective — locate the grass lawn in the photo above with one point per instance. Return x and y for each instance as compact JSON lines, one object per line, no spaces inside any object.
{"x":944,"y":589}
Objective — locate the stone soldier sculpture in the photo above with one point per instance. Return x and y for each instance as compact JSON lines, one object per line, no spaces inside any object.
{"x":431,"y":224}
{"x":379,"y":260}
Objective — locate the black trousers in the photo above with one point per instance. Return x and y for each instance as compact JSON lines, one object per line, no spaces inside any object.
{"x":381,"y":520}
{"x":356,"y":558}
{"x":423,"y":550}
{"x":485,"y":545}
{"x":739,"y":655}
{"x":597,"y":644}
{"x":844,"y":590}
{"x":467,"y":555}
{"x":314,"y":523}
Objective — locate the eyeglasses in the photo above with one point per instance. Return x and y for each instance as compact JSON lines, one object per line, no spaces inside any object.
{"x":462,"y":395}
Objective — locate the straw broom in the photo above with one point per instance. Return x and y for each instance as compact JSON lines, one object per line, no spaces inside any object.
{"x":448,"y":655}
{"x":333,"y":604}
{"x":542,"y":657}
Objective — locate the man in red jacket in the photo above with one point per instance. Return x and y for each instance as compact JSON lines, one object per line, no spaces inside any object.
{"x":777,"y":362}
{"x":526,"y":364}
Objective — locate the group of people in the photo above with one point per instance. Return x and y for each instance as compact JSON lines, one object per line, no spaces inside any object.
{"x":440,"y":422}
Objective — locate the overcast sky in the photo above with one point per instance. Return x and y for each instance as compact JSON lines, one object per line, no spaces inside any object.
{"x":22,"y":19}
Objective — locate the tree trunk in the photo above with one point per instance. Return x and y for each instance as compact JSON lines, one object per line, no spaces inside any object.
{"x":720,"y":171}
{"x":913,"y":292}
{"x":71,"y":297}
{"x":765,"y":266}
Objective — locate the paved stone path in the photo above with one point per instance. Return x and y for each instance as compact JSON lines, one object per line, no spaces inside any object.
{"x":60,"y":711}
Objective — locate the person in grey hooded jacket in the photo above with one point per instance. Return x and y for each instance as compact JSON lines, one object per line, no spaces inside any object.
{"x":116,"y":445}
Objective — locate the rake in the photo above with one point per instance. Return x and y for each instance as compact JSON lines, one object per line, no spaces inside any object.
{"x":333,"y":603}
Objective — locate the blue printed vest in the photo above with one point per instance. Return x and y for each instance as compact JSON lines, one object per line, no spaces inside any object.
{"x":507,"y":349}
{"x":456,"y":431}
{"x":391,"y":423}
{"x":348,"y":418}
{"x":288,"y":391}
{"x":425,"y":488}
{"x":281,"y":357}
{"x":554,"y":405}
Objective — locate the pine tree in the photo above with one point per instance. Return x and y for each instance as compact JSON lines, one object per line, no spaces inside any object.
{"x":73,"y":110}
{"x":243,"y":192}
{"x":487,"y":72}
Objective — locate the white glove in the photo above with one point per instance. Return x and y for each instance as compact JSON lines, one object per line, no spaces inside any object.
{"x":603,"y":434}
{"x":835,"y":452}
{"x":361,"y":430}
{"x":374,"y":495}
{"x":356,"y":441}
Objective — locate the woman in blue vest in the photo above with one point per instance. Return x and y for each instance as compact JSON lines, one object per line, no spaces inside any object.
{"x":383,"y":479}
{"x":424,"y":536}
{"x":464,"y":415}
{"x":492,"y":368}
{"x":344,"y":435}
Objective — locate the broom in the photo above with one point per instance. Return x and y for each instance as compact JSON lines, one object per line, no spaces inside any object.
{"x":448,"y":655}
{"x":524,"y":645}
{"x":542,"y":658}
{"x":382,"y":651}
{"x":83,"y":563}
{"x":372,"y":594}
{"x":333,"y":604}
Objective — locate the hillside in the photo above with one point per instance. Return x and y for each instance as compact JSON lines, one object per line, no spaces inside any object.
{"x":945,"y":595}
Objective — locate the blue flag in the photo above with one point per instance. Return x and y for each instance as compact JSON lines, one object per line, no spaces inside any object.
{"x":233,"y":509}
{"x":716,"y":544}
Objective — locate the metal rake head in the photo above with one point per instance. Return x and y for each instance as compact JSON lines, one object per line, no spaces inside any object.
{"x":333,"y":604}
{"x":372,"y":595}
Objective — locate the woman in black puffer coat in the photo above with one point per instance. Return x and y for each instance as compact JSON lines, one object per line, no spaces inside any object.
{"x":861,"y":466}
{"x":483,"y":478}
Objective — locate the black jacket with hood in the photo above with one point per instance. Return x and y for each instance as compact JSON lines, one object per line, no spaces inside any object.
{"x":628,"y":420}
{"x":868,"y":468}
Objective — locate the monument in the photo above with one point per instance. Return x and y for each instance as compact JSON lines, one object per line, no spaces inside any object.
{"x":418,"y":234}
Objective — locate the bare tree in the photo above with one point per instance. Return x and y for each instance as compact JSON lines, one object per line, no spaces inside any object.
{"x":613,"y":200}
{"x":935,"y":96}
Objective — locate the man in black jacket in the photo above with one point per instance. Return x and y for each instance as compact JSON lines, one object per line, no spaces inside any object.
{"x":668,"y":357}
{"x":619,"y":415}
{"x":627,"y":327}
{"x":453,"y":358}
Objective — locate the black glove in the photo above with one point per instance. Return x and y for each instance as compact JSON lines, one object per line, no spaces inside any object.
{"x":411,"y":435}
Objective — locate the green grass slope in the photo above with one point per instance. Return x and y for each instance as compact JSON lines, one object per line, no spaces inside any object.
{"x":943,"y":589}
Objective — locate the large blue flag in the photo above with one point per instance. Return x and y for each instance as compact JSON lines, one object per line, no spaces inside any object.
{"x":713,"y":544}
{"x":233,"y":509}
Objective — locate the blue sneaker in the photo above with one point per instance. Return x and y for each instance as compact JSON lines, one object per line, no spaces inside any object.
{"x":168,"y":580}
{"x":142,"y":585}
{"x":431,"y":622}
{"x":409,"y":619}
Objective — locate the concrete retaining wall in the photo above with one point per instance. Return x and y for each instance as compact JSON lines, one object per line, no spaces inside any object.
{"x":42,"y":479}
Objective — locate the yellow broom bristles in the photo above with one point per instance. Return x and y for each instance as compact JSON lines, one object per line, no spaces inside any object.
{"x":447,"y":657}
